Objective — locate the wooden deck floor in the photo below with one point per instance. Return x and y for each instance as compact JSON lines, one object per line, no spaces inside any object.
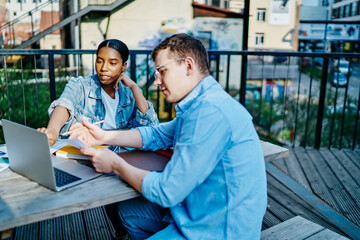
{"x":332,"y":176}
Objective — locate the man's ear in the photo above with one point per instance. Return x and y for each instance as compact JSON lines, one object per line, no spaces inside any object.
{"x":190,"y":65}
{"x":123,"y":67}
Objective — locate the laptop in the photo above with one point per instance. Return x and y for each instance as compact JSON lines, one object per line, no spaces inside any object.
{"x":29,"y":155}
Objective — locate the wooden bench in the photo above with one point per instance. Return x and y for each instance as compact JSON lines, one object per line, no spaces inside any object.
{"x":299,"y":228}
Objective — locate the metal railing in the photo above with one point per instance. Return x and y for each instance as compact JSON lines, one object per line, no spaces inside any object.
{"x":298,"y":99}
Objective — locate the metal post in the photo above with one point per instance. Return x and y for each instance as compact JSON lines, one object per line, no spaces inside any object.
{"x":321,"y":106}
{"x":244,"y":48}
{"x":133,"y":66}
{"x":52,"y":77}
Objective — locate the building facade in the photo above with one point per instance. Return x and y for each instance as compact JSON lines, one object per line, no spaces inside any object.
{"x":273,"y":25}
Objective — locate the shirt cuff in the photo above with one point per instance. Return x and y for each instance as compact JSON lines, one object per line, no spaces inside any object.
{"x":145,"y":133}
{"x":148,"y":116}
{"x":147,"y":186}
{"x":64,"y":103}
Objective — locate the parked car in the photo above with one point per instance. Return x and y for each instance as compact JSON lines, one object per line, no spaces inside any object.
{"x":344,"y":66}
{"x":340,"y":79}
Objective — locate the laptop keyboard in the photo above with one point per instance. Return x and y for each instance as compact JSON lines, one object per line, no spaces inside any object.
{"x":62,"y":178}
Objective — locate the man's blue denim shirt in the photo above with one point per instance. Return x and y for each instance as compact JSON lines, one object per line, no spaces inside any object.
{"x":215,"y":182}
{"x":82,"y":98}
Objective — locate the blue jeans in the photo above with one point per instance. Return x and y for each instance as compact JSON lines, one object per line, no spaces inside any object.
{"x":142,"y":218}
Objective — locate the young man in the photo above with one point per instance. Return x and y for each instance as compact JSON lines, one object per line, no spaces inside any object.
{"x":214,"y":186}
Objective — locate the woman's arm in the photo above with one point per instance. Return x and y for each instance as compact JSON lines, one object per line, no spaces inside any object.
{"x":140,"y":100}
{"x":57,"y":120}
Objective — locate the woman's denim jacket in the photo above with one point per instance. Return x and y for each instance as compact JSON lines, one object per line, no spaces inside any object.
{"x":82,"y":98}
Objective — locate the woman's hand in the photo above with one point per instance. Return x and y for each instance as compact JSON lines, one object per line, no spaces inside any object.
{"x":127,"y":82}
{"x":89,"y":133}
{"x":51,"y":134}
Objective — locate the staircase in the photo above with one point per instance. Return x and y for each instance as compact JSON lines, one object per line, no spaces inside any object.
{"x":104,"y":6}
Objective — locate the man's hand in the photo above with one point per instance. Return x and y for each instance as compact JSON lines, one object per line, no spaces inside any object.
{"x":51,"y":134}
{"x":103,"y":160}
{"x":90,"y":134}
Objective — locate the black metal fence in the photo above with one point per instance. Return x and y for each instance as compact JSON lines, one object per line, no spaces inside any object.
{"x":298,"y":99}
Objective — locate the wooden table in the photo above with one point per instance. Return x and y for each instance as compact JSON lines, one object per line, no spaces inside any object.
{"x":23,"y":201}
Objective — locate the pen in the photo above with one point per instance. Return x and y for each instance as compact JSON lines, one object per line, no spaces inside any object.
{"x":69,"y":132}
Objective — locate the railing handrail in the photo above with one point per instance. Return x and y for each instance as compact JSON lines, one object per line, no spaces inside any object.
{"x":210,"y":52}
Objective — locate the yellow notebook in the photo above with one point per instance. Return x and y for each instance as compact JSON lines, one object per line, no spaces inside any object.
{"x":72,"y":152}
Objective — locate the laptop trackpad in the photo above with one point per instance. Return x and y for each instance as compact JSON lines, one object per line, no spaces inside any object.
{"x":74,"y":168}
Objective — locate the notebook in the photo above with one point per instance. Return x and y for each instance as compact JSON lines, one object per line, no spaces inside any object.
{"x":29,"y":155}
{"x":73,"y":152}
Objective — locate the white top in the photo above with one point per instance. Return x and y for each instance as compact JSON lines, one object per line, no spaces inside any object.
{"x":110,"y":105}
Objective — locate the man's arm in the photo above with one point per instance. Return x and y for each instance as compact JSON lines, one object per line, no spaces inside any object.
{"x":106,"y":161}
{"x":92,"y":134}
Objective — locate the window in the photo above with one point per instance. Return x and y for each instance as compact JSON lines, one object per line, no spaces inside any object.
{"x":218,"y":3}
{"x":335,"y":13}
{"x":226,"y":4}
{"x":259,"y":39}
{"x":260,"y":14}
{"x":341,"y":12}
{"x":346,"y":11}
{"x":215,"y":3}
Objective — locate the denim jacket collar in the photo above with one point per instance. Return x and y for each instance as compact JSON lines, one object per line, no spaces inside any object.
{"x":95,"y":91}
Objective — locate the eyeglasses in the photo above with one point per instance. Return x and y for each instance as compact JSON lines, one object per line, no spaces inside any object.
{"x":157,"y":74}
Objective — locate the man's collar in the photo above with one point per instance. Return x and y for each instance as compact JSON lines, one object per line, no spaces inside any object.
{"x":186,"y":102}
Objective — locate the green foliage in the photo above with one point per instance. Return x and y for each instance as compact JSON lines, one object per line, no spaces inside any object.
{"x":294,"y":121}
{"x":25,"y":97}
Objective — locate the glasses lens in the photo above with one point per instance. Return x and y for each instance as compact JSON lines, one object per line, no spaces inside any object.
{"x":156,"y":74}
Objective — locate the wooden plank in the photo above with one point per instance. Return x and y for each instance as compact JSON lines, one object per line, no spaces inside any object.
{"x":347,"y":182}
{"x":28,"y":232}
{"x":269,"y":220}
{"x":95,"y":224}
{"x":313,"y":176}
{"x":281,"y":164}
{"x":295,"y":170}
{"x":346,"y":204}
{"x":294,"y":204}
{"x":280,"y":211}
{"x":294,"y":228}
{"x":50,"y":229}
{"x":326,"y":234}
{"x":354,"y":157}
{"x":352,"y":169}
{"x":332,"y":216}
{"x":73,"y":226}
{"x":272,"y":151}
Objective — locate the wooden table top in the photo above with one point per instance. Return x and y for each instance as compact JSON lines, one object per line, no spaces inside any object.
{"x":23,"y":201}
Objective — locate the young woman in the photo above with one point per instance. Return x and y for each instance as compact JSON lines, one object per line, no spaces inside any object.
{"x":109,"y":95}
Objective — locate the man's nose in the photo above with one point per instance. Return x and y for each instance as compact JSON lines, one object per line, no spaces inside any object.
{"x":157,"y":82}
